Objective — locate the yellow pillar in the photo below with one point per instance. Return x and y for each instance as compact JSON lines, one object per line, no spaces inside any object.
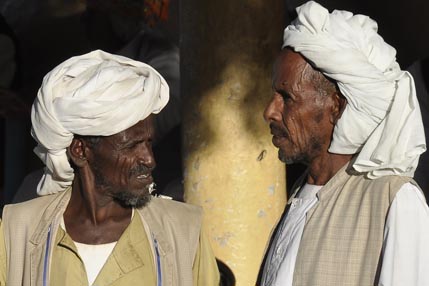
{"x":230,"y":165}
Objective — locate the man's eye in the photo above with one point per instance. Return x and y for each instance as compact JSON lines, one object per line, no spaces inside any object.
{"x":284,"y":94}
{"x":131,"y":146}
{"x":135,"y":144}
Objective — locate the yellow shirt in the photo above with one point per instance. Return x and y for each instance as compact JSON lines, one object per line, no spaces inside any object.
{"x":130,"y":263}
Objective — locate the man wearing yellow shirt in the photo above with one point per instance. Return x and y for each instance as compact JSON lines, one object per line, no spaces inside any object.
{"x":96,"y":222}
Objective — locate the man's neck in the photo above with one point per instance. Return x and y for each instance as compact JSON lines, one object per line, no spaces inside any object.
{"x":323,"y":168}
{"x":92,"y":218}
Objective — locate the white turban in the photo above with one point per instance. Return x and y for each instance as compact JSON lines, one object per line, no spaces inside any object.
{"x":93,"y":94}
{"x":382,"y":120}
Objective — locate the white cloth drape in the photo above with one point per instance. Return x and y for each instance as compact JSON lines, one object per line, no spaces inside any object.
{"x":382,"y":119}
{"x":93,"y":94}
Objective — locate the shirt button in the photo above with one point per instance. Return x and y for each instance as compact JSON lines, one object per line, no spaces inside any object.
{"x":294,"y":203}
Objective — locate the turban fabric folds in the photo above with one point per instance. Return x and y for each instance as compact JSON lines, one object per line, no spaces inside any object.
{"x":97,"y":94}
{"x":382,"y":120}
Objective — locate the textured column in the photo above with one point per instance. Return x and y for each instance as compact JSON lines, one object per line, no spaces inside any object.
{"x":230,"y":165}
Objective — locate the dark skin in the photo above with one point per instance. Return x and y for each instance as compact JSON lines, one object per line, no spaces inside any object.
{"x":302,"y":116}
{"x":120,"y":163}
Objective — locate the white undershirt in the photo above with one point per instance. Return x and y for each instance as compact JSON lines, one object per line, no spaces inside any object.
{"x":405,"y":246}
{"x":288,"y":243}
{"x":93,"y":256}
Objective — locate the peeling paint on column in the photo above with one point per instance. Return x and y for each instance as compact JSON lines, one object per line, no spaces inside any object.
{"x":195,"y":186}
{"x":271,"y":190}
{"x":261,"y":214}
{"x":239,"y":172}
{"x":234,"y":91}
{"x":223,"y":240}
{"x":197,"y":163}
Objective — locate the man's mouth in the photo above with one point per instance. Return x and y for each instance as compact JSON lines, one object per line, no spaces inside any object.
{"x":142,"y":173}
{"x":278,"y":131}
{"x":277,"y":140}
{"x":279,"y":134}
{"x":144,"y":176}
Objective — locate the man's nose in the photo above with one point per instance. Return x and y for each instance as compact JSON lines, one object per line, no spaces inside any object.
{"x":273,"y":110}
{"x":146,"y":157}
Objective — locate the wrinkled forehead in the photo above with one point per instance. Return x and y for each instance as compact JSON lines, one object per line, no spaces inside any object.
{"x":142,"y":130}
{"x":289,"y":66}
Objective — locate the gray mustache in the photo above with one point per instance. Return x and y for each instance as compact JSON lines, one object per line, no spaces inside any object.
{"x":141,"y":169}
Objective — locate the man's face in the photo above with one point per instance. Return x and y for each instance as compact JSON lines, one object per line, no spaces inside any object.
{"x":123,"y":163}
{"x":298,"y":114}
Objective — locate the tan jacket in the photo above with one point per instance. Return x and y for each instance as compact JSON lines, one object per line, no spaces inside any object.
{"x":176,"y":227}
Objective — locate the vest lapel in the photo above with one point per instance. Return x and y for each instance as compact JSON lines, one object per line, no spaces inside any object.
{"x":164,"y":247}
{"x":48,"y":224}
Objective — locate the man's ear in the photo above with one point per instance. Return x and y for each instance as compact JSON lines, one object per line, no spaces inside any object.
{"x":338,"y":107}
{"x":78,"y":152}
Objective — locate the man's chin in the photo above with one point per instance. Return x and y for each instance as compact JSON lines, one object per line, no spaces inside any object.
{"x":131,"y":200}
{"x":288,"y":160}
{"x":282,"y":157}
